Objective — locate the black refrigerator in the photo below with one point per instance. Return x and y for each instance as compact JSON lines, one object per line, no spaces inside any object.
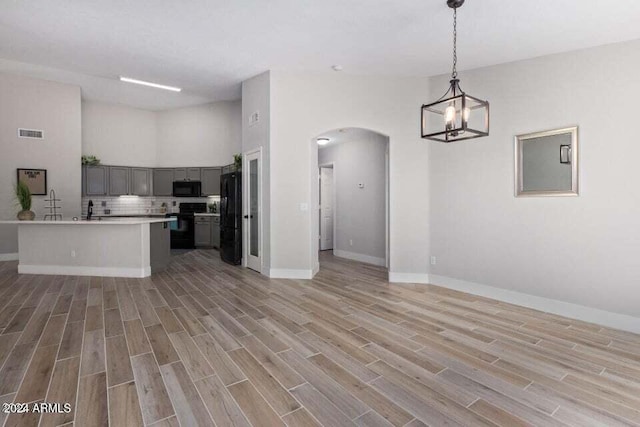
{"x":231,"y":218}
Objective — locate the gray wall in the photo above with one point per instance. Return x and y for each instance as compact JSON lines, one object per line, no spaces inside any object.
{"x":359,"y":214}
{"x":119,"y":135}
{"x":305,"y":105}
{"x":203,"y":135}
{"x":55,"y":109}
{"x":256,"y":97}
{"x":582,"y":250}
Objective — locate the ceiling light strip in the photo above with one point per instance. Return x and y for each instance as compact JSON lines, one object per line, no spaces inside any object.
{"x":156,"y":85}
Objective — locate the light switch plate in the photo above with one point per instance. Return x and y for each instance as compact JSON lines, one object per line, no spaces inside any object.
{"x":304,"y":207}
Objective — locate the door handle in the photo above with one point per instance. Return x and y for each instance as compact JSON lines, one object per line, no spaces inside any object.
{"x":246,"y":217}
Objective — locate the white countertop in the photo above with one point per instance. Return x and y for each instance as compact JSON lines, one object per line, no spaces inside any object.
{"x":206,"y":214}
{"x":104,"y":221}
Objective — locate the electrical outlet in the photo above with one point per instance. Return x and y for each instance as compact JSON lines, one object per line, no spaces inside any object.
{"x":433,"y":260}
{"x":350,"y":242}
{"x":304,"y":207}
{"x":103,"y":203}
{"x":73,"y":254}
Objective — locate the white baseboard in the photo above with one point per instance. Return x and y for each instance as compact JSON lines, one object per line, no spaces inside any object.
{"x":562,"y":308}
{"x":9,"y":257}
{"x":368,"y":259}
{"x":72,"y":270}
{"x":285,"y":273}
{"x":395,"y":277}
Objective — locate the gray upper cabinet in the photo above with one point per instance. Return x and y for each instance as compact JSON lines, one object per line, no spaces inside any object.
{"x":140,"y":184}
{"x":193,"y":174}
{"x":95,"y":179}
{"x":122,"y":180}
{"x":186,"y":174}
{"x":180,"y":174}
{"x":118,"y":181}
{"x":210,"y":178}
{"x":163,"y":182}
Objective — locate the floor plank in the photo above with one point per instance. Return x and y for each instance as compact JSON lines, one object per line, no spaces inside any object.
{"x":92,"y":409}
{"x":124,"y":407}
{"x":152,"y":393}
{"x":256,"y":409}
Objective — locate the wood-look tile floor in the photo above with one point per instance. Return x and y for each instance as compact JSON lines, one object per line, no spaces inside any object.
{"x":205,"y":342}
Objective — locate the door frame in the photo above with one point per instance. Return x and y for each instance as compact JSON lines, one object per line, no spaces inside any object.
{"x":334,"y":201}
{"x":245,"y":208}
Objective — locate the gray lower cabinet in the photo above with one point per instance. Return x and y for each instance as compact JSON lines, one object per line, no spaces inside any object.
{"x":118,"y":181}
{"x":95,"y":180}
{"x":163,"y":182}
{"x":210,"y":178}
{"x":215,"y":232}
{"x":160,"y":242}
{"x":140,"y":182}
{"x":203,"y":232}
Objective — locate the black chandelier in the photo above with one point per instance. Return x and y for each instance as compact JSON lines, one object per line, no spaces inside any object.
{"x":456,"y":116}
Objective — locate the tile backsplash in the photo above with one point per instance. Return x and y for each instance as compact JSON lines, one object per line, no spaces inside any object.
{"x":128,"y":205}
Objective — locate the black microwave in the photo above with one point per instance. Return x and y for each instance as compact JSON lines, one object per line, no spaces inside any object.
{"x":187,"y":189}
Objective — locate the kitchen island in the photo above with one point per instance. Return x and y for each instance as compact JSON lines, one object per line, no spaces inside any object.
{"x":123,"y":247}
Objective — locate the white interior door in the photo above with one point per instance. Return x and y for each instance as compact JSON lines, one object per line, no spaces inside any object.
{"x":253,"y":211}
{"x":326,"y":208}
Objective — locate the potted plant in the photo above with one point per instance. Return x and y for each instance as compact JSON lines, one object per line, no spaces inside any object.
{"x":237,"y":161}
{"x":90,"y":161}
{"x":23,"y":196}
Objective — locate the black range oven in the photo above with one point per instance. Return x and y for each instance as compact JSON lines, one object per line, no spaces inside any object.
{"x":187,"y":189}
{"x":183,"y":230}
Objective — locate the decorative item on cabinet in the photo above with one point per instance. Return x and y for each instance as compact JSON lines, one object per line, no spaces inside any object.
{"x":237,"y":161}
{"x":90,"y":161}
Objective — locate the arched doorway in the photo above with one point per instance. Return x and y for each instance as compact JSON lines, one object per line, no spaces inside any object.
{"x":355,"y":206}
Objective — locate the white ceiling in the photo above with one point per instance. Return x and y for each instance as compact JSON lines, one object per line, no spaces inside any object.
{"x":208,"y":47}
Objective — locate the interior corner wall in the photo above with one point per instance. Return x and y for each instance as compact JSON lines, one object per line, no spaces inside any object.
{"x":203,"y":135}
{"x":55,"y":109}
{"x":256,"y":98}
{"x":119,"y":134}
{"x":359,"y":213}
{"x":305,"y":105}
{"x":581,"y":250}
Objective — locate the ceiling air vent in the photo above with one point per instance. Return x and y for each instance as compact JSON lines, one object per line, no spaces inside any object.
{"x":30,"y":133}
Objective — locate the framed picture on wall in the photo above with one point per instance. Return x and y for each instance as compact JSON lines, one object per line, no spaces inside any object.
{"x":36,"y":180}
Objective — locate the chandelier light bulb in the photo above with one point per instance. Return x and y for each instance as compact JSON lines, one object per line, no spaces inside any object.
{"x":450,"y":116}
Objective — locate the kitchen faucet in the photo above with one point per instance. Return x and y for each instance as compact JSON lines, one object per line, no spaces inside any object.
{"x":90,"y":210}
